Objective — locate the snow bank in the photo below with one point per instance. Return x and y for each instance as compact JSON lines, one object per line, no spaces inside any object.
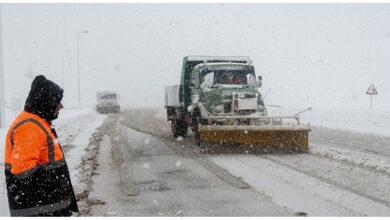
{"x":4,"y":211}
{"x":360,"y":120}
{"x":367,"y":159}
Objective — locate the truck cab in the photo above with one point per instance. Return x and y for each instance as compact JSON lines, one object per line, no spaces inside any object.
{"x":213,"y":86}
{"x":225,"y":89}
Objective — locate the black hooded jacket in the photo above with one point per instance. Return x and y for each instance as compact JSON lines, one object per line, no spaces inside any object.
{"x":42,"y":191}
{"x":44,"y":98}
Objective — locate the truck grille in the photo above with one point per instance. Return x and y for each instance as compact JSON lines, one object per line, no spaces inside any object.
{"x":227,"y":107}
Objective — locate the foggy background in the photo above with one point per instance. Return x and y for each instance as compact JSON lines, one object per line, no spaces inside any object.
{"x":319,"y":55}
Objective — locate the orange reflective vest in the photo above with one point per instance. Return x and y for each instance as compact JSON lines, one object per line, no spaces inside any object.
{"x":37,"y":176}
{"x":30,"y":143}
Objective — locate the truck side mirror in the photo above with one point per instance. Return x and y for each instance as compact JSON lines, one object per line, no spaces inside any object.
{"x":259,"y":81}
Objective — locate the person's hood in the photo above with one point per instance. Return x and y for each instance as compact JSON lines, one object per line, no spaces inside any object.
{"x":44,"y":98}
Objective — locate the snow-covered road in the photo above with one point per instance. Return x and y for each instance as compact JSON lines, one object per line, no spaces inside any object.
{"x":345,"y":173}
{"x":129,"y":165}
{"x":159,"y":181}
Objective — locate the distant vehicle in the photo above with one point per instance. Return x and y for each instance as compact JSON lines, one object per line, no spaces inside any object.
{"x":107,"y":102}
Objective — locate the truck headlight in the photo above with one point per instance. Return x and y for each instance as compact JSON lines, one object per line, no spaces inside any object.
{"x":195,"y":99}
{"x":218,"y":109}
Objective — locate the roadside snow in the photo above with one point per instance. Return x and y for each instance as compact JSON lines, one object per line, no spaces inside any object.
{"x":4,"y":210}
{"x":366,"y":159}
{"x":360,"y":120}
{"x":74,"y":128}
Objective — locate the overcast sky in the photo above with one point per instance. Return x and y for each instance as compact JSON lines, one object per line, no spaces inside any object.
{"x":318,"y":55}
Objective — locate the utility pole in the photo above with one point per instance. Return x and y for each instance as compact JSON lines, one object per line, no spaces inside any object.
{"x":2,"y":99}
{"x":78,"y":63}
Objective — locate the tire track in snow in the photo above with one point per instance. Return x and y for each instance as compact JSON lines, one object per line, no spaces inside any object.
{"x":272,"y":180}
{"x":309,"y":192}
{"x":335,"y":183}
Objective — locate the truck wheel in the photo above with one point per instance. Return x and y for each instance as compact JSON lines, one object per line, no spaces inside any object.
{"x":179,"y":128}
{"x":197,"y":139}
{"x":175,"y":126}
{"x":196,"y":122}
{"x":184,"y":130}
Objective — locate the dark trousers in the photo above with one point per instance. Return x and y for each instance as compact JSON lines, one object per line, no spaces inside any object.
{"x":60,"y":213}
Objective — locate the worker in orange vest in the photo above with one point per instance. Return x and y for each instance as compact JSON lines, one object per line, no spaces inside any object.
{"x":37,"y":176}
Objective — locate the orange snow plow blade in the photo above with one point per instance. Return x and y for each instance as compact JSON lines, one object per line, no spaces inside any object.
{"x":271,"y":138}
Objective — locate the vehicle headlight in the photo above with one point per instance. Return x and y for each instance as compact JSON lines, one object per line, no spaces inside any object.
{"x":218,"y":109}
{"x":195,"y":99}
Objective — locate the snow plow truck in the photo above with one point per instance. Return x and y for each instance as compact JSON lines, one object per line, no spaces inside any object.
{"x":218,"y":98}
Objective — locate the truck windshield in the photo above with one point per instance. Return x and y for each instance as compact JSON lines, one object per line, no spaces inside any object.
{"x":229,"y":75}
{"x":109,"y":96}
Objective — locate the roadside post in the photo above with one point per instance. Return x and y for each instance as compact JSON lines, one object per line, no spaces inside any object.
{"x":371,"y":91}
